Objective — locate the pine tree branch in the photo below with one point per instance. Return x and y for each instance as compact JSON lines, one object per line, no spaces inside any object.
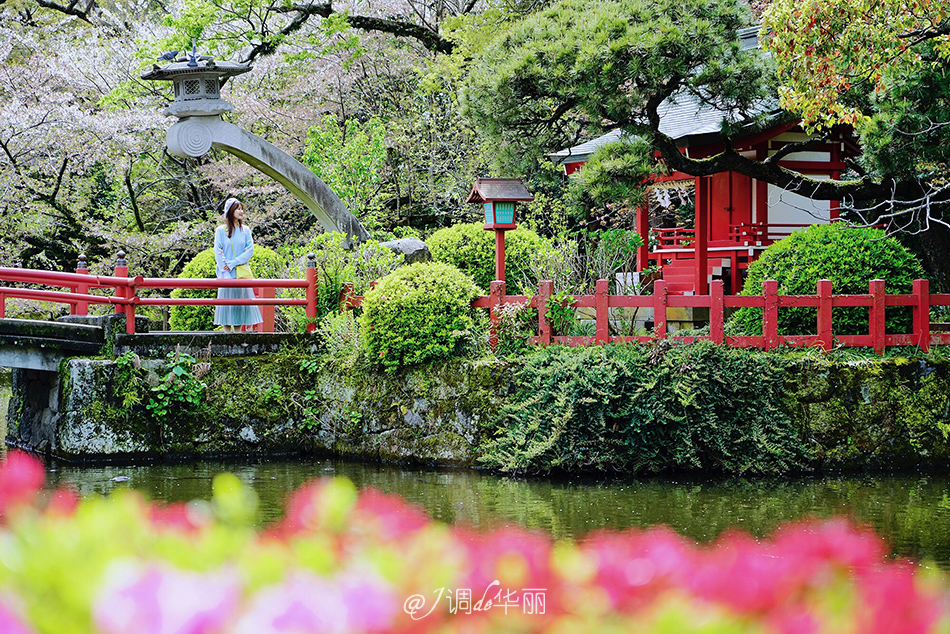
{"x":303,"y":12}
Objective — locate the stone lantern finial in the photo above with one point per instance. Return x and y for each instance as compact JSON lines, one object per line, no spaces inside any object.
{"x":197,"y":82}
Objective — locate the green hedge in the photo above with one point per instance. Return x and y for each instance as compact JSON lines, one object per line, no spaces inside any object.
{"x":471,"y":249}
{"x":418,"y":313}
{"x":633,"y":408}
{"x":848,"y":256}
{"x":264,"y":263}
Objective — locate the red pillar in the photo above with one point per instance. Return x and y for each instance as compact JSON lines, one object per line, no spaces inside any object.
{"x":825,"y":330}
{"x":643,"y":228}
{"x":496,"y":296}
{"x":267,"y":312}
{"x":499,"y":255}
{"x":703,"y":210}
{"x":311,"y":277}
{"x":717,"y":312}
{"x":770,"y":314}
{"x":81,"y":308}
{"x":121,"y":270}
{"x":126,"y":292}
{"x":545,"y":291}
{"x":602,"y":308}
{"x":876,"y":326}
{"x":659,"y":309}
{"x":922,"y":314}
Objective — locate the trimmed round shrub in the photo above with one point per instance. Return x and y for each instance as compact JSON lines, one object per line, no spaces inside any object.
{"x":418,"y":313}
{"x":848,"y":256}
{"x":471,"y":249}
{"x":265,"y":263}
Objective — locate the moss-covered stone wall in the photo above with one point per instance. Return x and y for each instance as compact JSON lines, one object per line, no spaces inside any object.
{"x":289,"y":402}
{"x":892,"y":412}
{"x":851,"y":413}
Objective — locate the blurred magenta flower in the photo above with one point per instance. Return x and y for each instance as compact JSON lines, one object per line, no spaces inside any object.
{"x":307,"y":604}
{"x":10,"y":624}
{"x":157,"y":599}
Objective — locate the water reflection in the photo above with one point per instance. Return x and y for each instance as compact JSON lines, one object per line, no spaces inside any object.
{"x":911,"y":511}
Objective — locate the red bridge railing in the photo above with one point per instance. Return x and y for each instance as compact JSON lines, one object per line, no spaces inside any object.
{"x":125,"y":299}
{"x":125,"y":289}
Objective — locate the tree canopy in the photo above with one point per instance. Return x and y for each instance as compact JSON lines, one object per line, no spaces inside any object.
{"x":877,"y":68}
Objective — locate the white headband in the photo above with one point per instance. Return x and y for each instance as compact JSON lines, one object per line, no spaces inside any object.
{"x":229,"y":203}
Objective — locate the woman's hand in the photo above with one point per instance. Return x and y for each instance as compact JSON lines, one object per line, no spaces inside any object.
{"x":226,"y":268}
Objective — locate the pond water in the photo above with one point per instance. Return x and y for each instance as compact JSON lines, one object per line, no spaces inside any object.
{"x":911,"y":511}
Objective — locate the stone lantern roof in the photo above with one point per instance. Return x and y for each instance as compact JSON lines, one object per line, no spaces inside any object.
{"x":510,"y":189}
{"x":197,"y":81}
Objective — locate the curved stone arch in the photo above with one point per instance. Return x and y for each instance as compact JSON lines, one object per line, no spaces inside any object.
{"x":195,"y":136}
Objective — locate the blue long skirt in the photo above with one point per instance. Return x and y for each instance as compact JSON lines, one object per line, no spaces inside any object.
{"x":236,"y":315}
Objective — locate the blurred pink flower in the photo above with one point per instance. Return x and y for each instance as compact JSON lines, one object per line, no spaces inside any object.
{"x":892,"y":604}
{"x":390,"y":513}
{"x":10,"y":624}
{"x":162,"y":600}
{"x":307,"y":604}
{"x":64,"y":502}
{"x":635,"y":565}
{"x":21,"y":477}
{"x":175,"y":515}
{"x":370,"y":605}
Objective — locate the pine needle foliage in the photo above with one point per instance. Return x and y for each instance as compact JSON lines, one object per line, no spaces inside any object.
{"x":649,"y":409}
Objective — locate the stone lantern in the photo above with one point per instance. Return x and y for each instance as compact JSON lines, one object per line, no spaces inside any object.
{"x":499,"y":198}
{"x":197,"y":81}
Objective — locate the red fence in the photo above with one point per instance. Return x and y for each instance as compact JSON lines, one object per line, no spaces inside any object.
{"x":125,"y":296}
{"x":919,"y":301}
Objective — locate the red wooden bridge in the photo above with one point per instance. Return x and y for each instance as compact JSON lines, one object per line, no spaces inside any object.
{"x":125,"y":299}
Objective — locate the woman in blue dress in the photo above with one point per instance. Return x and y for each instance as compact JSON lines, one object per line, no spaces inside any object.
{"x":233,"y":246}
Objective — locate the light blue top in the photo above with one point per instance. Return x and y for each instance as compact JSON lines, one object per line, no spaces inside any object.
{"x":232,"y":251}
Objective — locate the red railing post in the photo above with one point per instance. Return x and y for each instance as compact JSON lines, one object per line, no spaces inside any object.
{"x":770,"y":314}
{"x":496,"y":297}
{"x":602,"y":310}
{"x":267,"y":312}
{"x":824,"y":329}
{"x":659,"y":309}
{"x":311,"y":276}
{"x":717,"y":312}
{"x":81,"y":308}
{"x":876,"y":326}
{"x":3,"y":304}
{"x":922,"y":314}
{"x":121,"y":270}
{"x":545,"y":291}
{"x":125,"y":292}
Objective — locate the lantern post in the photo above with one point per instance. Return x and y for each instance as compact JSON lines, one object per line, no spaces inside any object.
{"x":499,"y":198}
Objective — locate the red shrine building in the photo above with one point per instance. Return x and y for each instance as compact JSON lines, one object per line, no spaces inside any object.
{"x":712,"y":227}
